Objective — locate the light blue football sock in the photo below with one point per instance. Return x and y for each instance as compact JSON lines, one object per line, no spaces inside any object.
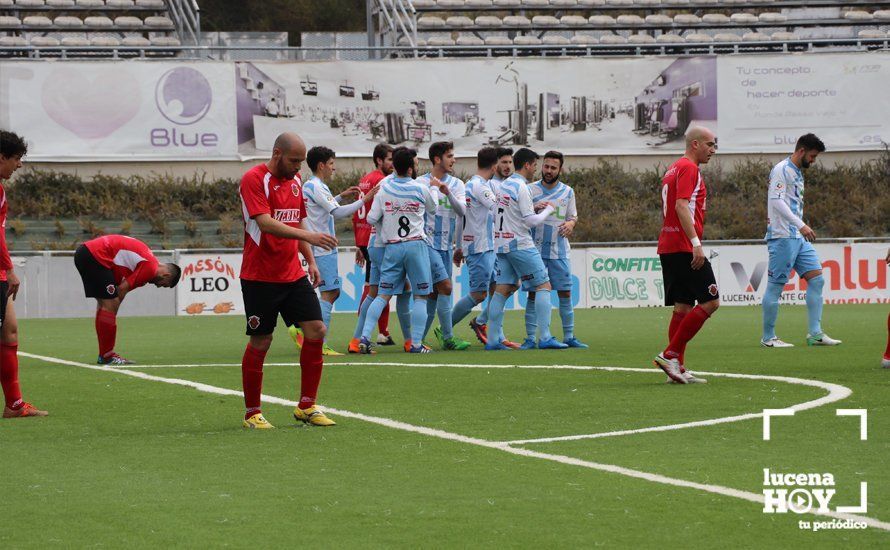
{"x":362,"y":315}
{"x":496,"y":316}
{"x":431,"y":305}
{"x":418,"y":320}
{"x":770,"y":304}
{"x":814,"y":304}
{"x":326,"y":308}
{"x":542,"y":312}
{"x":567,"y":314}
{"x":403,"y":312}
{"x":482,"y":318}
{"x":531,"y":321}
{"x":462,"y":308}
{"x":443,"y":308}
{"x":373,"y":315}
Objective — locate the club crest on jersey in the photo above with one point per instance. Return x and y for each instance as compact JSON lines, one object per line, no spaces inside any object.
{"x":253,"y":322}
{"x":712,"y":290}
{"x":110,"y":290}
{"x":295,"y":189}
{"x":288,"y":215}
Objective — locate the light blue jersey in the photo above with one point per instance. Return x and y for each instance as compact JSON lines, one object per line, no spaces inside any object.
{"x":514,"y":205}
{"x":785,"y":184}
{"x":478,"y":231}
{"x":319,"y":205}
{"x":546,"y":236}
{"x":441,"y":224}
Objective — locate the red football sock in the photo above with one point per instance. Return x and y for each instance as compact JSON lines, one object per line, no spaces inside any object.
{"x":887,"y":353}
{"x":687,"y":330}
{"x":383,"y":321}
{"x":9,"y":375}
{"x":106,"y":331}
{"x":311,"y":363}
{"x":676,"y":319}
{"x":252,"y":378}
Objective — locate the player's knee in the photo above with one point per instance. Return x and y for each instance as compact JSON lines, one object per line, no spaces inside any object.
{"x":331,"y":296}
{"x":479,"y":297}
{"x":444,"y":287}
{"x":545,"y":286}
{"x":10,"y":333}
{"x":314,"y":330}
{"x":564,"y":293}
{"x":261,"y":342}
{"x":711,"y":307}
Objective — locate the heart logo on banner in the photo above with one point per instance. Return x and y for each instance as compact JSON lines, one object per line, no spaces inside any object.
{"x":93,"y":104}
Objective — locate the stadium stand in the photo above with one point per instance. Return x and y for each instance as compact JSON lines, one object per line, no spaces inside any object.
{"x":97,"y":28}
{"x":646,"y":26}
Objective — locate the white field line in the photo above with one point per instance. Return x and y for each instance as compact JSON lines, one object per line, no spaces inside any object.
{"x":498,"y":445}
{"x":835,"y":393}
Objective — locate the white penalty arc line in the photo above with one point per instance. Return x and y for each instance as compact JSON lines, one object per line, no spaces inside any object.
{"x":836,"y":392}
{"x":498,"y":445}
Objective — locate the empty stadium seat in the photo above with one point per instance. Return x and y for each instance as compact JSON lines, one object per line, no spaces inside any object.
{"x":535,"y":3}
{"x":74,"y":41}
{"x":165,"y":41}
{"x":640,"y":39}
{"x":755,"y":37}
{"x":10,"y":21}
{"x":159,"y":22}
{"x":424,"y":3}
{"x":517,"y":21}
{"x":13,"y":41}
{"x":459,"y":21}
{"x":659,"y":19}
{"x":727,"y":37}
{"x":584,"y":39}
{"x":440,"y":41}
{"x":670,"y":38}
{"x":648,"y":2}
{"x":477,"y":4}
{"x":68,"y":21}
{"x":119,"y":3}
{"x":687,"y":19}
{"x":40,"y":41}
{"x":6,"y":3}
{"x":449,"y":4}
{"x":37,"y":21}
{"x":630,"y":20}
{"x":29,"y":3}
{"x":98,"y":21}
{"x":556,"y":40}
{"x":783,"y":35}
{"x":498,"y":41}
{"x":741,"y":18}
{"x":526,"y":40}
{"x":60,"y":4}
{"x":136,"y":41}
{"x":106,"y":41}
{"x":128,"y":22}
{"x":675,"y":2}
{"x":612,"y":39}
{"x":717,"y":18}
{"x":507,"y":3}
{"x":90,"y":3}
{"x":872,"y":33}
{"x":698,"y":37}
{"x":858,"y":15}
{"x":150,"y":4}
{"x":882,"y":15}
{"x":469,"y":40}
{"x":573,"y":20}
{"x":488,"y":21}
{"x":619,"y":2}
{"x":430,"y":21}
{"x":772,"y":17}
{"x":564,"y":3}
{"x":601,"y":20}
{"x":545,"y":21}
{"x":591,"y":3}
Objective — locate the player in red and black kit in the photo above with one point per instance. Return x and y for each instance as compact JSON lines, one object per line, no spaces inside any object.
{"x":12,"y":149}
{"x":362,"y":230}
{"x":272,"y":278}
{"x":688,"y":277}
{"x":111,"y":267}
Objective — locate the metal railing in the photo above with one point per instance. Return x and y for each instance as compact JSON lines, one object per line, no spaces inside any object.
{"x":186,"y":16}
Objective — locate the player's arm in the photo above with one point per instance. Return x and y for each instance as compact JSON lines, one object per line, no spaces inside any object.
{"x":270,"y":225}
{"x":311,"y":267}
{"x":375,"y":214}
{"x":567,"y":227}
{"x":6,"y":264}
{"x":688,"y":225}
{"x":458,"y":255}
{"x":527,"y":209}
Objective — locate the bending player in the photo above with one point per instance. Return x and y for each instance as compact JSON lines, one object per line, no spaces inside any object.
{"x":322,"y":209}
{"x":111,"y":267}
{"x":12,"y":149}
{"x":399,"y":210}
{"x":273,"y":281}
{"x":788,"y":240}
{"x":552,"y":240}
{"x":687,"y":273}
{"x":517,"y":258}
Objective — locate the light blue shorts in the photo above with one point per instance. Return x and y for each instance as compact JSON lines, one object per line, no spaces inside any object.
{"x":524,"y":267}
{"x":560,"y":272}
{"x":330,"y":277}
{"x":376,"y":255}
{"x":401,"y":260}
{"x":440,"y":264}
{"x":788,"y":254}
{"x":481,"y":269}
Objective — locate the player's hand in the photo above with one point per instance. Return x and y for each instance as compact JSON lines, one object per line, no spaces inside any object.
{"x":541,"y":206}
{"x":322,"y":240}
{"x":13,"y":280}
{"x":567,"y":228}
{"x":808,"y":233}
{"x":314,"y":274}
{"x":369,"y":196}
{"x":698,"y":257}
{"x":887,"y":259}
{"x":436,"y":182}
{"x":351,"y":191}
{"x":359,"y":258}
{"x":458,"y":257}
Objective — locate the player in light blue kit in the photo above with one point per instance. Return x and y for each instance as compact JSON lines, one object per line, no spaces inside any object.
{"x":476,"y":235}
{"x":552,"y":240}
{"x":398,"y":211}
{"x":788,"y":240}
{"x":322,"y":208}
{"x":518,"y":261}
{"x":441,"y":230}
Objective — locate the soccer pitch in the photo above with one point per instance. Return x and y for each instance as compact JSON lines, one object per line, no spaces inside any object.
{"x":452,"y":449}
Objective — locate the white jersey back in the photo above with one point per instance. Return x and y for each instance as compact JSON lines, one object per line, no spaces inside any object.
{"x":399,"y":209}
{"x":478,"y":234}
{"x":514,"y":205}
{"x":441,"y":223}
{"x":785,"y":183}
{"x":319,"y":204}
{"x":546,"y":235}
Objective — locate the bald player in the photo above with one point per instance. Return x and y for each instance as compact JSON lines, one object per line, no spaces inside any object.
{"x":273,"y":281}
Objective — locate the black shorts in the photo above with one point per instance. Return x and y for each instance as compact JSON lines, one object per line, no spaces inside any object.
{"x":98,"y":280}
{"x":4,"y":288}
{"x":296,"y":302}
{"x":364,"y":250}
{"x":684,"y":285}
